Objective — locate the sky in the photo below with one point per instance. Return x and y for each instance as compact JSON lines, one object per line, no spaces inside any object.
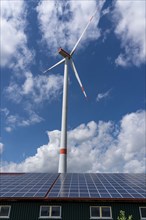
{"x":106,"y":133}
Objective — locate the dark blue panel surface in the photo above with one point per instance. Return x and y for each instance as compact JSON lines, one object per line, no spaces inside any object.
{"x":99,"y":185}
{"x":76,"y":185}
{"x":26,"y":185}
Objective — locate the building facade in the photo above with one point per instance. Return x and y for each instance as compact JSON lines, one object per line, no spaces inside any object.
{"x":72,"y":210}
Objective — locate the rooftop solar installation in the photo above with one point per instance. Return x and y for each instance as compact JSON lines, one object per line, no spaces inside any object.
{"x":99,"y":186}
{"x":75,"y":185}
{"x":26,"y":185}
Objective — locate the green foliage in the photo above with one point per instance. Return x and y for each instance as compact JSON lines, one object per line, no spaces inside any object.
{"x":123,"y":217}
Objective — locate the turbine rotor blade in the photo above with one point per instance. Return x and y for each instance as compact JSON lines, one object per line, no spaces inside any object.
{"x":61,"y":61}
{"x":77,"y":76}
{"x":73,"y":50}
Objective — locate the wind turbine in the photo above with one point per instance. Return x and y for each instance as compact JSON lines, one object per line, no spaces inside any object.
{"x":67,"y":58}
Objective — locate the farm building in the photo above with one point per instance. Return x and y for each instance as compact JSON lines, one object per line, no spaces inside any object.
{"x":82,"y":196}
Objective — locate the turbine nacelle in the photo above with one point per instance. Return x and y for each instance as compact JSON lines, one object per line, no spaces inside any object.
{"x":64,"y":53}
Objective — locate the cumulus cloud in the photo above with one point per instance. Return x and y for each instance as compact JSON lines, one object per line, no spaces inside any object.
{"x":93,"y":147}
{"x":13,"y":43}
{"x":101,"y":96}
{"x":62,"y":22}
{"x":129,"y":19}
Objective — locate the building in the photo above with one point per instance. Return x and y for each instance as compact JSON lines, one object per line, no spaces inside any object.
{"x":32,"y":196}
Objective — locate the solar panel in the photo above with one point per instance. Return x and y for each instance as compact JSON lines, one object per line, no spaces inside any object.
{"x":99,"y":186}
{"x":26,"y":185}
{"x":75,"y":185}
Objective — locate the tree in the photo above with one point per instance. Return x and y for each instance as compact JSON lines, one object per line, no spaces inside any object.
{"x":123,"y":217}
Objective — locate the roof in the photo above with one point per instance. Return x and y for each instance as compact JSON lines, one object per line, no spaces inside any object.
{"x":73,"y":186}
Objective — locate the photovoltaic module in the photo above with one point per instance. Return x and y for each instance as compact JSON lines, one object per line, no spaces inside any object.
{"x":75,"y":185}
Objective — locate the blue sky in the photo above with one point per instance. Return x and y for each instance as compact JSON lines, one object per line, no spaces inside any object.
{"x":105,"y":133}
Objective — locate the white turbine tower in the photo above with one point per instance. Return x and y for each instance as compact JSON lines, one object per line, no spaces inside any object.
{"x":66,"y":60}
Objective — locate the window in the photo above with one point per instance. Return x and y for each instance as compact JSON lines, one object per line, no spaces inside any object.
{"x":106,"y":212}
{"x":95,"y":211}
{"x":45,"y":211}
{"x":100,"y":212}
{"x":142,"y":212}
{"x":50,"y":212}
{"x":55,"y":211}
{"x":5,"y":211}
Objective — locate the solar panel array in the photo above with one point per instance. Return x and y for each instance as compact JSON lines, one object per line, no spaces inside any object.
{"x":99,"y":186}
{"x":26,"y":185}
{"x":94,"y":186}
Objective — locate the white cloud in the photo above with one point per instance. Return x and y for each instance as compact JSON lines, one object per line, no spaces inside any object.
{"x":1,"y":147}
{"x":102,"y":147}
{"x":106,"y":11}
{"x":35,"y":88}
{"x":29,"y":93}
{"x":13,"y":121}
{"x":62,"y":22}
{"x":8,"y":129}
{"x":5,"y":111}
{"x":129,"y":19}
{"x":13,"y":43}
{"x":28,"y":84}
{"x":101,"y":96}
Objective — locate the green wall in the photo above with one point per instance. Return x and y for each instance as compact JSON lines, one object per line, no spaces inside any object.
{"x":21,"y":210}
